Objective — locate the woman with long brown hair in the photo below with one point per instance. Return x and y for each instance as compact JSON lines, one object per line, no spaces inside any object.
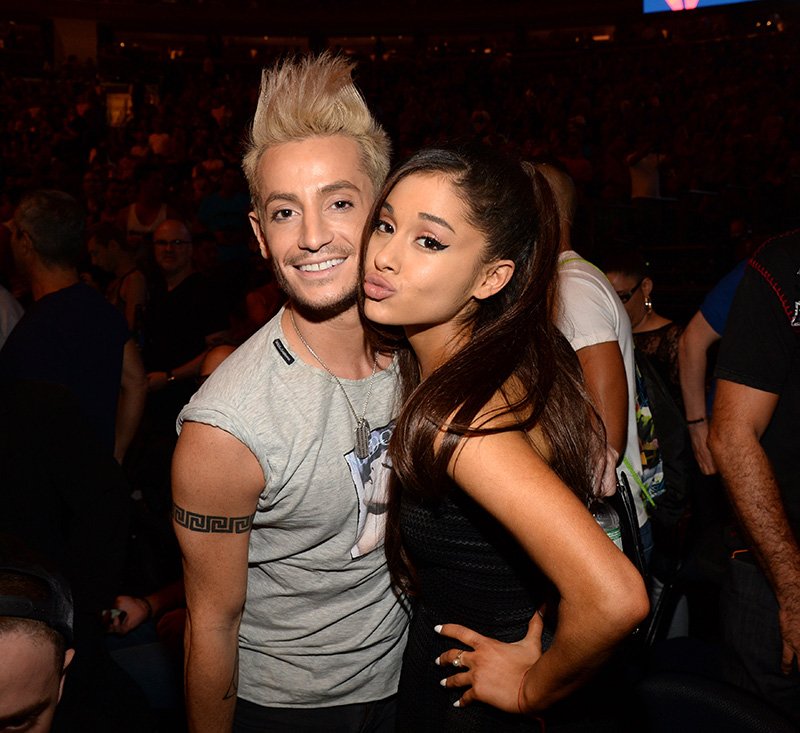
{"x":493,"y":451}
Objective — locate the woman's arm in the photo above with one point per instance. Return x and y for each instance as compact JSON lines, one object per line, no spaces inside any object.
{"x":603,"y":596}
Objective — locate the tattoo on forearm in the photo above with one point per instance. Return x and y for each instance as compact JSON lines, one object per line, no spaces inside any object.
{"x":233,"y":688}
{"x":210,"y":523}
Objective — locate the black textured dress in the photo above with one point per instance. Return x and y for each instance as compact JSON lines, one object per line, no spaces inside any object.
{"x":470,"y":572}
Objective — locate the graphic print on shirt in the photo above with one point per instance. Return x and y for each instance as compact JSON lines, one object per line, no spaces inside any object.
{"x":371,"y":482}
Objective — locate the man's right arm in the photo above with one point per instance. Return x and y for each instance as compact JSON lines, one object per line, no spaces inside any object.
{"x":216,"y":484}
{"x":590,"y":318}
{"x":693,"y":347}
{"x":741,"y":415}
{"x":604,"y":372}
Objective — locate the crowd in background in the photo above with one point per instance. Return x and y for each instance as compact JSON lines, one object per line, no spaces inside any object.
{"x":718,"y":119}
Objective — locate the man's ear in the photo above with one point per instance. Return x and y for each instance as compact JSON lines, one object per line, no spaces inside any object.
{"x":495,"y":277}
{"x":25,"y":245}
{"x":255,"y":224}
{"x":68,"y":655}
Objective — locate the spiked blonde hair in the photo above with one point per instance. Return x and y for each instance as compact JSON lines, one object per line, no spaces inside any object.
{"x":309,"y":97}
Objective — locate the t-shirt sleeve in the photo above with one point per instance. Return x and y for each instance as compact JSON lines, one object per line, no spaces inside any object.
{"x":717,"y":304}
{"x":585,"y":314}
{"x":219,"y":403}
{"x":758,"y":342}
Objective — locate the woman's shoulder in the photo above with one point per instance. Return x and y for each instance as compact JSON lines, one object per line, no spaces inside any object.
{"x":506,"y":408}
{"x":673,"y":330}
{"x":507,"y":413}
{"x":650,"y":341}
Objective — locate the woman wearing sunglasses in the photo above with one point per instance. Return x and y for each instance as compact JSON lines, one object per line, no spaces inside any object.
{"x":653,"y":334}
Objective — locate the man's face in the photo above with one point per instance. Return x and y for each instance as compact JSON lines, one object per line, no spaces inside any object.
{"x":172,"y":245}
{"x":30,"y":683}
{"x":20,"y":244}
{"x":316,"y":199}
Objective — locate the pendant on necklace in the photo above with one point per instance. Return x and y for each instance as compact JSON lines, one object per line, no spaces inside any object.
{"x":362,"y":438}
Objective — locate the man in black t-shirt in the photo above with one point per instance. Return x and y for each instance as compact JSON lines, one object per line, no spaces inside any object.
{"x":181,"y":320}
{"x":71,"y":336}
{"x":753,"y":441}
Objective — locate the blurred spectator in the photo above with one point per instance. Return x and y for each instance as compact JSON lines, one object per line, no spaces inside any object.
{"x":141,"y":218}
{"x":183,"y":315}
{"x":10,"y":312}
{"x":110,"y":250}
{"x":224,"y":214}
{"x":117,"y":196}
{"x":653,"y":334}
{"x":71,"y":336}
{"x":644,"y":164}
{"x":703,"y":331}
{"x":181,"y":320}
{"x":36,"y":640}
{"x":752,"y":442}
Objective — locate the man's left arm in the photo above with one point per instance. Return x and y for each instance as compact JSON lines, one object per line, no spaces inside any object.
{"x":693,"y":347}
{"x":741,"y":415}
{"x":132,"y":397}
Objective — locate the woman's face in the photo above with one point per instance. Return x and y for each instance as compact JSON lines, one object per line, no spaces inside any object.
{"x":631,"y":292}
{"x":424,"y":262}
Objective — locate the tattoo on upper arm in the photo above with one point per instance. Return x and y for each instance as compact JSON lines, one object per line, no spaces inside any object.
{"x":210,"y":523}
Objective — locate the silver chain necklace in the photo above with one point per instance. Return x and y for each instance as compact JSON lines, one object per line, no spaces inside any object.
{"x":362,"y":426}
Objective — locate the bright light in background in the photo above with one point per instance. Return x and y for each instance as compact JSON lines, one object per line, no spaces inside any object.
{"x":659,"y":6}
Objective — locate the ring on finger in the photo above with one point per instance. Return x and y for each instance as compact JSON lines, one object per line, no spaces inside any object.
{"x":457,"y":661}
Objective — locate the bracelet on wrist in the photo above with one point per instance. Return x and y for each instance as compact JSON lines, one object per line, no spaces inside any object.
{"x":696,"y":422}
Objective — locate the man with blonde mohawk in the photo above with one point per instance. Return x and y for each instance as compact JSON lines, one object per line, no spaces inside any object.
{"x":292,"y":620}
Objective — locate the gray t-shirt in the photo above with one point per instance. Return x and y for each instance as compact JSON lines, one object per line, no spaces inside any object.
{"x":321,"y":625}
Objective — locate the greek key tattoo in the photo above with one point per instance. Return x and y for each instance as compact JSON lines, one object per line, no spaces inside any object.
{"x":210,"y":523}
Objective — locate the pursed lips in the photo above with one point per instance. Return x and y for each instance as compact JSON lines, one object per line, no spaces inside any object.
{"x":377,"y":287}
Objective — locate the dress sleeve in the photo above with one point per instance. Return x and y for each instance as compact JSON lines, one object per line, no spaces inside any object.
{"x":670,"y":347}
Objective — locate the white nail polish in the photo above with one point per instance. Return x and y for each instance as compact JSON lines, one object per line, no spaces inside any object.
{"x":437,"y":661}
{"x":443,"y":682}
{"x":457,"y":704}
{"x":438,"y":628}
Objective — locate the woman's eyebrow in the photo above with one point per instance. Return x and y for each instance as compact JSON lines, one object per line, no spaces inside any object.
{"x":436,"y":220}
